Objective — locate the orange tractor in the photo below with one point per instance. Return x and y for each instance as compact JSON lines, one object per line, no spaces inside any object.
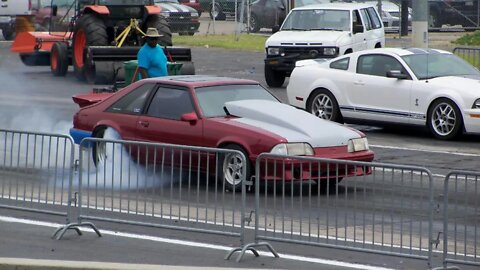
{"x":96,"y":37}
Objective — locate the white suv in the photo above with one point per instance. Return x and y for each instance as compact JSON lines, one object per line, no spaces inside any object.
{"x":321,"y":31}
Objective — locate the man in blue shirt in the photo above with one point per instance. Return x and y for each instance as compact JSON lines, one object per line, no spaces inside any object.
{"x":152,"y":61}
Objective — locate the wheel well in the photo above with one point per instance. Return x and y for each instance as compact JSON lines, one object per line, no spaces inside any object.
{"x":349,"y":50}
{"x":99,"y":130}
{"x":378,"y":45}
{"x":309,"y":99}
{"x":444,"y":98}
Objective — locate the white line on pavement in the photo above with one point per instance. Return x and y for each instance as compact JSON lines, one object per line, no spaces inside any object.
{"x":425,"y":150}
{"x":197,"y":244}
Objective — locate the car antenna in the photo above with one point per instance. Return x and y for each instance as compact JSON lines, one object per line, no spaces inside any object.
{"x":226,"y":110}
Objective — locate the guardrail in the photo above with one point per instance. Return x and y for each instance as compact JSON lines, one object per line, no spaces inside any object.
{"x":378,"y":208}
{"x":359,"y":206}
{"x":461,"y":216}
{"x":160,"y":185}
{"x":469,"y":54}
{"x":36,"y":172}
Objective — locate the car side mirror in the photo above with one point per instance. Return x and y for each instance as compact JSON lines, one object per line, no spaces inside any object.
{"x":357,"y":28}
{"x":397,"y":74}
{"x":189,"y":117}
{"x":54,"y":10}
{"x":275,"y":28}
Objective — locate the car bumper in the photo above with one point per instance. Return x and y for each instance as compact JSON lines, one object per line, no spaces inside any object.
{"x":78,"y":135}
{"x":306,"y":170}
{"x":471,"y":121}
{"x":177,"y":27}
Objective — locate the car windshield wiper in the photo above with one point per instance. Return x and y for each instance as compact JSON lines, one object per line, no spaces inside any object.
{"x":327,"y":29}
{"x":296,"y":29}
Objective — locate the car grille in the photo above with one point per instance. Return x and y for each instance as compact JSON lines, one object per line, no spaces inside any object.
{"x":306,"y":52}
{"x":180,"y":16}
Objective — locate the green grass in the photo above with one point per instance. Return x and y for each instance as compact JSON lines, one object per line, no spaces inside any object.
{"x":472,"y":39}
{"x":255,"y":43}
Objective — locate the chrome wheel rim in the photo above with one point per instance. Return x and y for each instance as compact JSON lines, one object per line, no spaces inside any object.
{"x":253,"y":23}
{"x":233,"y":169}
{"x":322,"y":107}
{"x":443,"y":119}
{"x":215,"y":11}
{"x":101,"y":152}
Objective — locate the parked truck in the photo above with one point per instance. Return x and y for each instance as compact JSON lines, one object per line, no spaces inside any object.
{"x":9,"y":9}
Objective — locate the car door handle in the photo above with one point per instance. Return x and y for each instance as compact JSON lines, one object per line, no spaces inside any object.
{"x":144,"y":123}
{"x":358,"y":83}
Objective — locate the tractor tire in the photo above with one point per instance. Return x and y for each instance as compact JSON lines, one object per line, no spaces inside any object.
{"x":8,"y":34}
{"x":89,"y":30}
{"x":161,"y":24}
{"x":187,"y":68}
{"x":59,"y":59}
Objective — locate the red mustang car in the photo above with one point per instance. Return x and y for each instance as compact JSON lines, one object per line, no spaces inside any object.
{"x":221,"y":113}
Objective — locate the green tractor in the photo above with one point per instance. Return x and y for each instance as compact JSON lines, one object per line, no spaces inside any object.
{"x":96,"y":37}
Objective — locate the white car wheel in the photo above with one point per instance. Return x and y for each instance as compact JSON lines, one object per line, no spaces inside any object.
{"x":324,"y":105}
{"x":444,"y":119}
{"x":232,"y":166}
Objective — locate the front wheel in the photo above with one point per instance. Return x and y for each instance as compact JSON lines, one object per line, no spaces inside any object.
{"x":323,"y":104}
{"x":444,"y":119}
{"x":254,"y":24}
{"x":274,"y":78}
{"x":59,"y":59}
{"x":231,"y":166}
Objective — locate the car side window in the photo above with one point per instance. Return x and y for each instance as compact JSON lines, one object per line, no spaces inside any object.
{"x":377,"y":65}
{"x":340,"y":64}
{"x":375,"y":20}
{"x":356,"y":19}
{"x":170,"y":103}
{"x":133,"y":102}
{"x":366,"y":19}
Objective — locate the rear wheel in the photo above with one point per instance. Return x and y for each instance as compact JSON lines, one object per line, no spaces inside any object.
{"x":8,"y":34}
{"x":231,"y":167}
{"x":89,"y":31}
{"x":274,"y":78}
{"x":216,"y":12}
{"x":59,"y":59}
{"x":324,"y":105}
{"x":99,"y":150}
{"x":163,"y":28}
{"x":329,"y":184}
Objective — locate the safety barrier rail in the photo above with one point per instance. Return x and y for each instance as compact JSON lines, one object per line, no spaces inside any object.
{"x":36,"y":171}
{"x":469,"y":54}
{"x":461,"y":215}
{"x":360,"y":206}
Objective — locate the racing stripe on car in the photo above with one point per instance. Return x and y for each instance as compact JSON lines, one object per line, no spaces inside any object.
{"x":384,"y":112}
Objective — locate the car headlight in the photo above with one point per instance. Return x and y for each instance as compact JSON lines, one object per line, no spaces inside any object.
{"x":273,"y":51}
{"x":165,"y":14}
{"x":330,"y":51}
{"x":293,"y":149}
{"x":194,"y":14}
{"x":476,"y":104}
{"x":359,"y":144}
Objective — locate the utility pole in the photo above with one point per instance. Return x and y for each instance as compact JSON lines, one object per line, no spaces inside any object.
{"x":420,"y":24}
{"x":379,"y":6}
{"x":404,"y":18}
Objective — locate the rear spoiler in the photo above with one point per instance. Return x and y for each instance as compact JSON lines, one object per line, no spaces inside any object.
{"x":84,"y":100}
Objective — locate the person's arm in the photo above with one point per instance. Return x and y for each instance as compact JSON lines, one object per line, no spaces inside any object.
{"x":143,"y":72}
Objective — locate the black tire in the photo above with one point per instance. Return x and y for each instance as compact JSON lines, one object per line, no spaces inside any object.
{"x":323,"y":104}
{"x":434,"y":19}
{"x":231,"y":177}
{"x":254,"y":24}
{"x":160,"y":23}
{"x":216,"y":12}
{"x":8,"y":34}
{"x":329,"y":185}
{"x":99,"y":154}
{"x":444,"y":119}
{"x":274,"y":78}
{"x":59,"y":59}
{"x":89,"y":30}
{"x":187,"y":68}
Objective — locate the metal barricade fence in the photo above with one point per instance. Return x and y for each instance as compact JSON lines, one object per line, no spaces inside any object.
{"x":161,"y":185}
{"x":469,"y":54}
{"x":360,"y":206}
{"x":461,"y":216}
{"x":36,"y":171}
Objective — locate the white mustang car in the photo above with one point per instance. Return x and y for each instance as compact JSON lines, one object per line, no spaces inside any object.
{"x":409,"y":86}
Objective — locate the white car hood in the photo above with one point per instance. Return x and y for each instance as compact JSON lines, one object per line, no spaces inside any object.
{"x":326,"y":38}
{"x":461,"y":84}
{"x":291,"y":123}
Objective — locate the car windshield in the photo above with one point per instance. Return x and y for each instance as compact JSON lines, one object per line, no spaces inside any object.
{"x":166,"y":1}
{"x":317,"y":19}
{"x":427,"y":66}
{"x":212,"y":99}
